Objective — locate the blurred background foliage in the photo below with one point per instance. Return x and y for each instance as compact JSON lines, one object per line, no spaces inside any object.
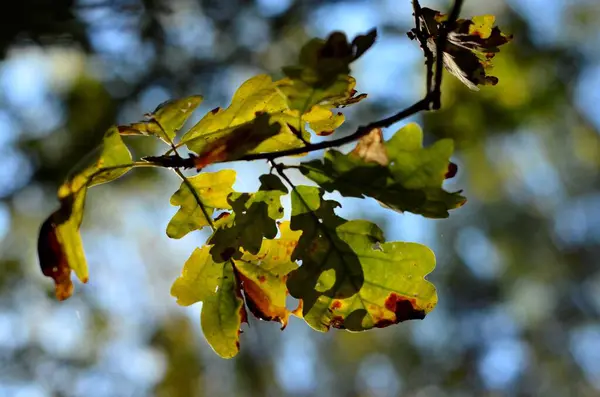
{"x":517,"y":273}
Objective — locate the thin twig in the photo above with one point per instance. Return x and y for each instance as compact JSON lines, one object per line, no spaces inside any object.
{"x":196,"y":197}
{"x":418,"y":33}
{"x":169,"y":141}
{"x":175,"y":161}
{"x":441,"y":42}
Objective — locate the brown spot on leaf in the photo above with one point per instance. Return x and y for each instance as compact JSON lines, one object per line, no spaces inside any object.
{"x":337,"y":322}
{"x":325,"y":133}
{"x":260,"y":303}
{"x":384,"y":322}
{"x":336,"y":305}
{"x":452,"y":170}
{"x":403,"y":308}
{"x":262,"y":279}
{"x":215,"y":110}
{"x":222,"y":215}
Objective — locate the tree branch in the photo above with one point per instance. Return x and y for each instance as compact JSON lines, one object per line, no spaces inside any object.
{"x":417,"y":33}
{"x":431,"y":101}
{"x":441,"y":42}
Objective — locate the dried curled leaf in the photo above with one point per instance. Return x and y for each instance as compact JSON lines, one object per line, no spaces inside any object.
{"x":52,"y":257}
{"x":411,"y":180}
{"x":470,"y":46}
{"x":238,"y":141}
{"x":60,"y":248}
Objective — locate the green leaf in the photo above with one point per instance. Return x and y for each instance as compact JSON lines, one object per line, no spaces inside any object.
{"x":166,"y":120}
{"x":263,"y":276}
{"x":321,"y":80}
{"x":223,"y":314}
{"x":60,"y":248}
{"x":212,"y":189}
{"x":199,"y":278}
{"x":350,"y":277}
{"x":399,"y":173}
{"x":254,"y":217}
{"x":257,"y":95}
{"x":215,"y":285}
{"x":470,"y":47}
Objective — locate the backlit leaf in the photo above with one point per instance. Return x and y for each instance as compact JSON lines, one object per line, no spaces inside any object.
{"x":350,"y":277}
{"x":199,"y":278}
{"x":212,"y":190}
{"x":166,"y":120}
{"x":223,"y":314}
{"x":254,"y":217}
{"x":60,"y":248}
{"x":411,"y":181}
{"x":215,"y":285}
{"x":238,"y":141}
{"x":321,"y":80}
{"x":258,"y":95}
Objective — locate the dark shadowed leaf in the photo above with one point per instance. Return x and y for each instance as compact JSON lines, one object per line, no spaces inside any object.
{"x":212,"y":189}
{"x":470,"y":47}
{"x":254,"y":217}
{"x":411,"y":181}
{"x":350,"y":277}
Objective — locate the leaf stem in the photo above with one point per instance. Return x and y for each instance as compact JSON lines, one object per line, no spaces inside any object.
{"x":196,"y":197}
{"x":441,"y":42}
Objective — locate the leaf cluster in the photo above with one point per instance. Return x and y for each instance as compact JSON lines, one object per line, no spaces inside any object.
{"x":342,"y":273}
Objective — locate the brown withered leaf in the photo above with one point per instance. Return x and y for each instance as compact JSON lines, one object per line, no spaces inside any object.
{"x":371,"y":148}
{"x":470,"y":46}
{"x":52,"y":257}
{"x":238,"y":141}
